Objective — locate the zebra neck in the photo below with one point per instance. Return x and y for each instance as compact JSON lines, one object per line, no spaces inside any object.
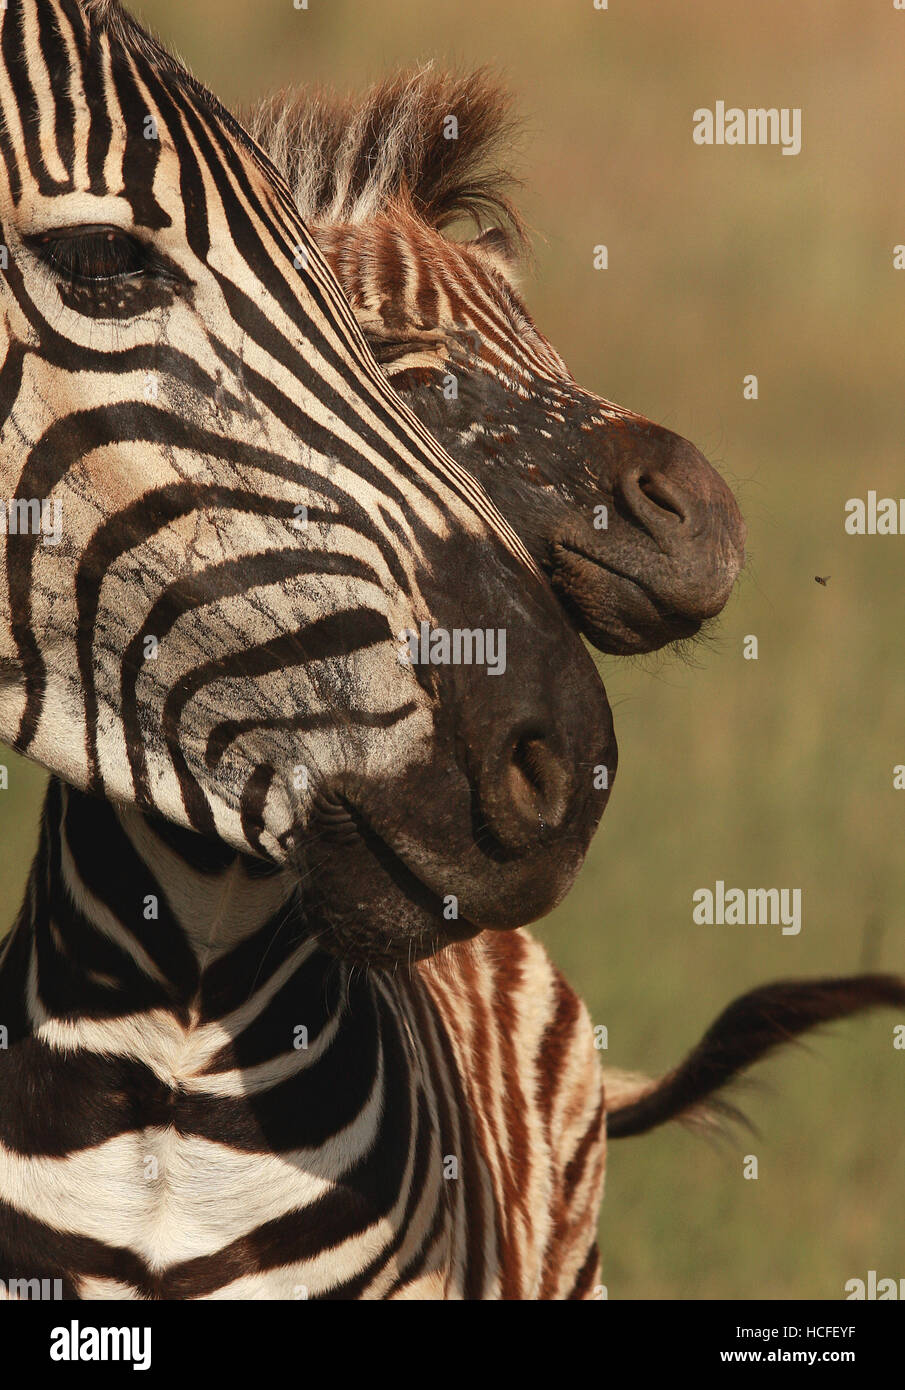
{"x":125,"y":914}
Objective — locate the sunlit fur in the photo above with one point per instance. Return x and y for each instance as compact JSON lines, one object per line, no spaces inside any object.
{"x":223,"y":1074}
{"x":407,"y":187}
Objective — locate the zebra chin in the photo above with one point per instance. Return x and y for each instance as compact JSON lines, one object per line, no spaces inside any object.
{"x":393,"y":917}
{"x":382,"y":885}
{"x":365,"y":905}
{"x":615,"y":612}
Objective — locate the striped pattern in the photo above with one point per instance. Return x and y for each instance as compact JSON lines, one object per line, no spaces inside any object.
{"x":403,"y":280}
{"x":161,"y":1137}
{"x":385,"y":187}
{"x":177,"y":660}
{"x":213,"y":459}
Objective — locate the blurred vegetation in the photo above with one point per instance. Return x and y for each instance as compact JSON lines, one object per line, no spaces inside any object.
{"x":769,"y":773}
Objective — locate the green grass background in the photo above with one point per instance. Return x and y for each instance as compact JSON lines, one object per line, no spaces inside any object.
{"x":769,"y":773}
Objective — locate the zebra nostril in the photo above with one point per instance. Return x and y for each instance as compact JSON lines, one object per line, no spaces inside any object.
{"x":537,"y":781}
{"x":664,"y":494}
{"x":655,"y":501}
{"x":524,"y":788}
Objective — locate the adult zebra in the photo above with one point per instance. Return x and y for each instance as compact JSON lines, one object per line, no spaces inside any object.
{"x":200,"y":1095}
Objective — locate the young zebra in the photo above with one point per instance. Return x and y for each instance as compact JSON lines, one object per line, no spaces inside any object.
{"x":639,"y":535}
{"x":380,"y":184}
{"x":201,"y":1093}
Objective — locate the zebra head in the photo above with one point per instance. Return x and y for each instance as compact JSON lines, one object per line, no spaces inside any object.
{"x":639,"y":535}
{"x":235,"y":568}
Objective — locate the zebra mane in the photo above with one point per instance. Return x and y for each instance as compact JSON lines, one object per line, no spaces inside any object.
{"x":110,"y":17}
{"x":102,"y":11}
{"x":349,"y":159}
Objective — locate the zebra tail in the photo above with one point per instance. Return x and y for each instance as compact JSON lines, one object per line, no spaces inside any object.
{"x":750,"y":1028}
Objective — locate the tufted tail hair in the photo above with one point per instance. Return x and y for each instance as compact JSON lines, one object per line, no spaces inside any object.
{"x":750,"y":1028}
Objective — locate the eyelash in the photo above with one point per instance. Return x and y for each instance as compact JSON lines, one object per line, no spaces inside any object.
{"x":93,"y":255}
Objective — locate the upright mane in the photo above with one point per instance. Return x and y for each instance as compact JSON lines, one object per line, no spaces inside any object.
{"x":108,"y":16}
{"x":352,"y":158}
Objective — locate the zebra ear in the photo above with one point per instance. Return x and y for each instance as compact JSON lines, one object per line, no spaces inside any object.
{"x":497,"y":246}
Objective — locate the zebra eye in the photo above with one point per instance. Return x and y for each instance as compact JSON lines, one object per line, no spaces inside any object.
{"x":92,"y":254}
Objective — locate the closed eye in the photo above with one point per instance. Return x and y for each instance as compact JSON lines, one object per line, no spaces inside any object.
{"x":433,"y":345}
{"x":92,"y":255}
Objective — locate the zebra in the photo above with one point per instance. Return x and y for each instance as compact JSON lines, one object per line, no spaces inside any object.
{"x":160,"y":1135}
{"x":382,"y":186}
{"x":639,"y":535}
{"x":234,"y":1060}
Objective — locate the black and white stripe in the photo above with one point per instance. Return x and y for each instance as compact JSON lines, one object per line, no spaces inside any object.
{"x":177,"y":661}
